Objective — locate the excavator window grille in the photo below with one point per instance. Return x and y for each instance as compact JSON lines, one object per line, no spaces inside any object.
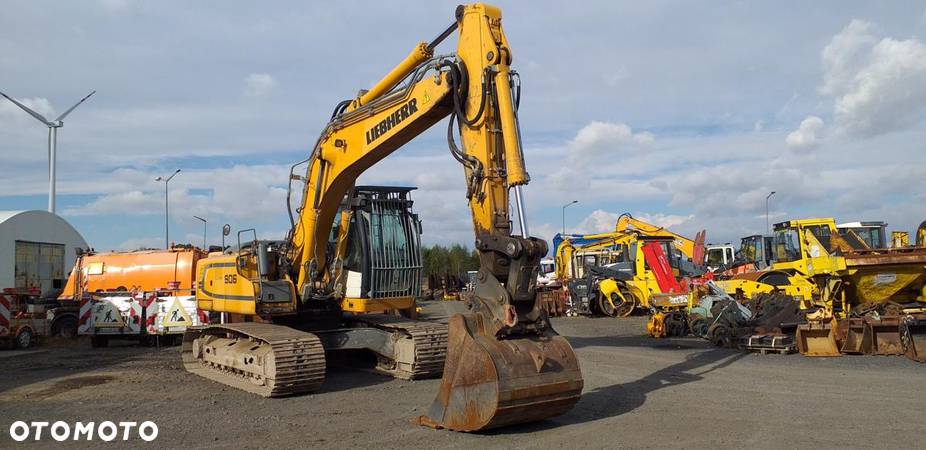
{"x":395,"y":248}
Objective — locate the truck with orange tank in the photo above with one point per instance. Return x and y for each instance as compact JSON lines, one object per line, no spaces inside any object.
{"x":139,"y":294}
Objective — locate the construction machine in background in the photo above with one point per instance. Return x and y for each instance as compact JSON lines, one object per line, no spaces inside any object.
{"x":867,"y":235}
{"x":618,"y":275}
{"x":836,"y":282}
{"x":754,"y":254}
{"x":719,"y":257}
{"x":350,"y":253}
{"x":901,"y":239}
{"x":692,"y":249}
{"x":864,"y":235}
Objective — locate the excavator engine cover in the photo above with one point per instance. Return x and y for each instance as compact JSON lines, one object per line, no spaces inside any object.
{"x":490,"y":382}
{"x":816,"y":338}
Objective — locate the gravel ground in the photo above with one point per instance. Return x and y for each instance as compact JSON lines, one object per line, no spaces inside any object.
{"x":639,"y":393}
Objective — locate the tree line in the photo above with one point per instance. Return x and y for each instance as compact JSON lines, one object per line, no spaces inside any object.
{"x":454,"y":260}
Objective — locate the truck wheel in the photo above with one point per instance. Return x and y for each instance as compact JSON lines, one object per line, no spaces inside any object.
{"x":24,"y":339}
{"x":66,"y":328}
{"x":99,"y":341}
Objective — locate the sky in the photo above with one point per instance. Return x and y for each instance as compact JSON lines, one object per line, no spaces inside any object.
{"x":683,"y":113}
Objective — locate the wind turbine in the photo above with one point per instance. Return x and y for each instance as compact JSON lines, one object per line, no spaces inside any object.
{"x":53,"y":126}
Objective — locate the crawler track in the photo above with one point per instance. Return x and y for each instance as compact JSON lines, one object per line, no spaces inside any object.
{"x":429,"y":340}
{"x":289,"y":361}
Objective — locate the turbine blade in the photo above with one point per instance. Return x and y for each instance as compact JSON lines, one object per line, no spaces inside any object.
{"x":26,"y":109}
{"x":61,"y":117}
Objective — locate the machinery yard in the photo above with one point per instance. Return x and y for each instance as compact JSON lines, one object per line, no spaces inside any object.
{"x":312,"y":279}
{"x":639,"y":393}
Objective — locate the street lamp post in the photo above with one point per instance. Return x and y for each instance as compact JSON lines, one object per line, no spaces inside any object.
{"x":770,"y":194}
{"x":167,"y":208}
{"x":204,"y":231}
{"x":564,"y":213}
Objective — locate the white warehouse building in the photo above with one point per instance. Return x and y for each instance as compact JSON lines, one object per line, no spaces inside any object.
{"x":37,"y":250}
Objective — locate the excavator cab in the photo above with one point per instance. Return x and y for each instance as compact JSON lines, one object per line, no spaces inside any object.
{"x":381,"y":266}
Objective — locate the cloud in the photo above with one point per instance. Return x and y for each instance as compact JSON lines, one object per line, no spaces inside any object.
{"x":663,"y":220}
{"x":132,"y":202}
{"x":245,"y":194}
{"x":605,"y":139}
{"x":259,"y":84}
{"x":116,"y":6}
{"x":807,"y":136}
{"x":593,"y":143}
{"x":846,"y":53}
{"x":878,"y":85}
{"x":599,"y":221}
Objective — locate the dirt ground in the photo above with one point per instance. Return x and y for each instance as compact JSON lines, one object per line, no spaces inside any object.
{"x":639,"y":393}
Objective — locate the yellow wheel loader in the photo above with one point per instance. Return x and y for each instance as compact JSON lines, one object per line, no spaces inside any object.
{"x":352,"y":253}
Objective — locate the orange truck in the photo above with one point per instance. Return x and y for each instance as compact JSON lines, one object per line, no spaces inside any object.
{"x":136,"y":294}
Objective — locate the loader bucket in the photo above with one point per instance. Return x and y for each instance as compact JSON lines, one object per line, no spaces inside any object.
{"x":855,"y":337}
{"x":885,"y":335}
{"x":913,"y":337}
{"x":817,"y":339}
{"x":490,"y":382}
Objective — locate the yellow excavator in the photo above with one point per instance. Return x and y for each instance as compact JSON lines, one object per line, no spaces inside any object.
{"x":692,"y":249}
{"x":349,"y":254}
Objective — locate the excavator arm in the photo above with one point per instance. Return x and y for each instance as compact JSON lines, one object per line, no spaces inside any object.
{"x":693,"y":249}
{"x":505,"y":364}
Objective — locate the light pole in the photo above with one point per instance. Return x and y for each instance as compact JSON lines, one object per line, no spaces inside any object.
{"x":564,"y":213}
{"x":204,"y":230}
{"x":53,"y":126}
{"x":770,"y":194}
{"x":166,"y":208}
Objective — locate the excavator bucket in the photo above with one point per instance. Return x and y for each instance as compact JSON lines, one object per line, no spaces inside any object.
{"x":490,"y":382}
{"x":913,"y":337}
{"x":818,"y":338}
{"x":855,"y":337}
{"x":885,"y":335}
